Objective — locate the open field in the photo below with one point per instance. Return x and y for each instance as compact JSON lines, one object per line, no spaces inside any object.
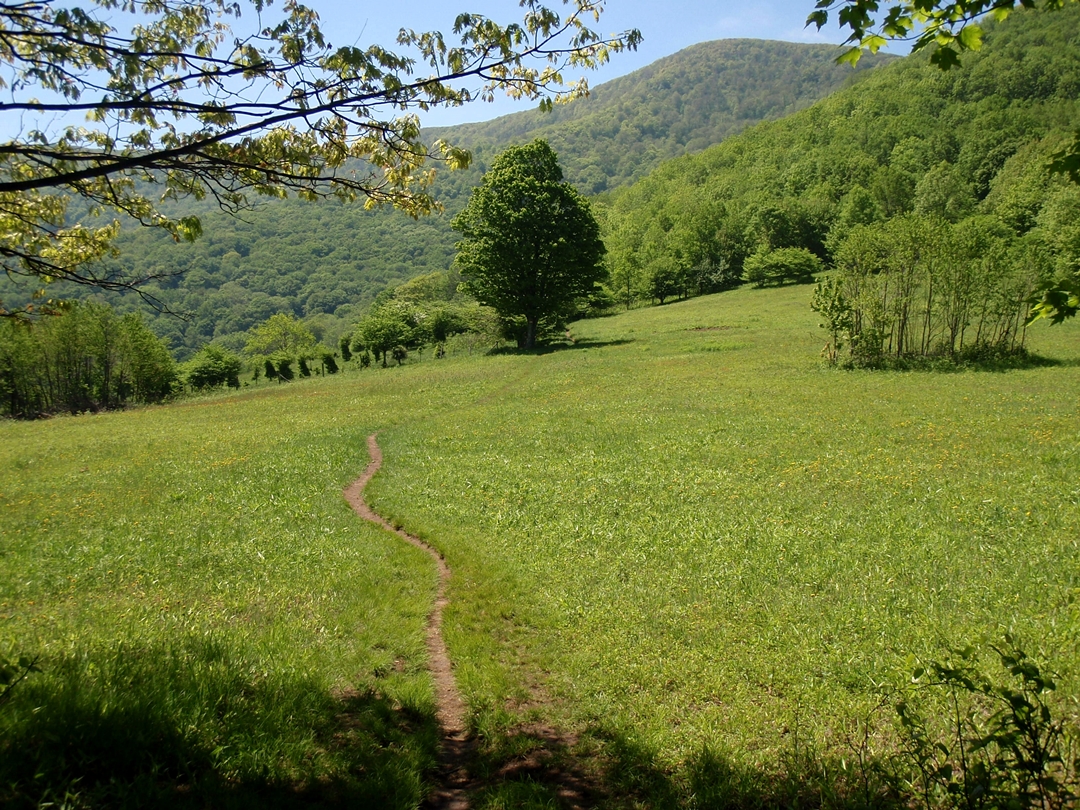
{"x":709,"y":540}
{"x":682,"y":538}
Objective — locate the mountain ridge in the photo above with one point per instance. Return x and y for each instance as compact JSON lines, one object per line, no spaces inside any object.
{"x":682,"y":116}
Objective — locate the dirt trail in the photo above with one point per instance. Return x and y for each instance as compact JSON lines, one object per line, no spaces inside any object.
{"x":457,"y":747}
{"x":545,"y":757}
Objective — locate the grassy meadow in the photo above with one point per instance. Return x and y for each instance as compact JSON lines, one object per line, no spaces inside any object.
{"x":682,"y":539}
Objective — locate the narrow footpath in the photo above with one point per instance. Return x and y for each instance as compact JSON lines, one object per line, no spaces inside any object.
{"x":456,"y":748}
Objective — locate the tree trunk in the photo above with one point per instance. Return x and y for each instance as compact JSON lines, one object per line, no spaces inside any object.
{"x":530,"y":332}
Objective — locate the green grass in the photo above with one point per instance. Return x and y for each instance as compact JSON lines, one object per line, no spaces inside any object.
{"x":683,"y":538}
{"x":709,"y":540}
{"x":205,"y":602}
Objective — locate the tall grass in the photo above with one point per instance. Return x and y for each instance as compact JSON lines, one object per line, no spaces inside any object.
{"x":214,"y":623}
{"x":683,"y":538}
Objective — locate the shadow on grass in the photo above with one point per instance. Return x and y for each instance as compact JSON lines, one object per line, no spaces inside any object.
{"x":998,"y":363}
{"x":529,"y":768}
{"x":197,"y":726}
{"x":551,"y":348}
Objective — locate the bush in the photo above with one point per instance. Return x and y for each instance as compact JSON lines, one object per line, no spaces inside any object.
{"x":783,"y":266}
{"x":213,"y":366}
{"x":1000,"y":745}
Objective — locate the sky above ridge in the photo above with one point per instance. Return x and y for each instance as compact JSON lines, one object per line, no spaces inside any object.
{"x":667,"y":26}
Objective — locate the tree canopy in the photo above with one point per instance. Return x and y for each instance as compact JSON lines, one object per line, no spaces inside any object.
{"x":181,"y":104}
{"x":280,"y":335}
{"x":907,"y":138}
{"x":531,"y":245}
{"x":950,"y":25}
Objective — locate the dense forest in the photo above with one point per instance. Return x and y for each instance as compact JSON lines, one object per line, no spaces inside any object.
{"x":327,"y":262}
{"x":961,"y":156}
{"x":682,"y":103}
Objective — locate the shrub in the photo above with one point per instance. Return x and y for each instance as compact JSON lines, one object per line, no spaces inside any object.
{"x":1000,"y":746}
{"x":213,"y":366}
{"x":783,"y":266}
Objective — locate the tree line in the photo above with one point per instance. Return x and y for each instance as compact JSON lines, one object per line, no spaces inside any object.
{"x":88,"y":358}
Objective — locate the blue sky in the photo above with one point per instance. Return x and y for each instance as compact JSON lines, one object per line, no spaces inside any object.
{"x":667,"y":26}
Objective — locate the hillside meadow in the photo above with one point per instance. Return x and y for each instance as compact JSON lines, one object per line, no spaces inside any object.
{"x":682,"y":540}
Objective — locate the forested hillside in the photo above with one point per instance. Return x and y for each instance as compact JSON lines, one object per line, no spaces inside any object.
{"x":326,"y":262}
{"x":967,"y":147}
{"x":682,"y":103}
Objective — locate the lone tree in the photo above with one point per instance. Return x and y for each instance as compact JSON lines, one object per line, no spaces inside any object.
{"x":531,"y":244}
{"x":123,"y":103}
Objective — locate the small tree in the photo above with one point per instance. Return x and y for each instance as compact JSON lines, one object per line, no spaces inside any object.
{"x":829,"y":302}
{"x":394,"y":323}
{"x":280,"y":335}
{"x":213,"y":366}
{"x":531,"y":245}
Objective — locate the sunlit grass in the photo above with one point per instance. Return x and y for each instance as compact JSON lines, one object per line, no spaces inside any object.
{"x":192,"y":578}
{"x":685,"y":536}
{"x":711,"y":540}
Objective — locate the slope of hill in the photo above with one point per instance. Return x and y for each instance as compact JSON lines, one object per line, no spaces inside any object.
{"x":327,"y":261}
{"x":905,"y":137}
{"x":680,"y":542}
{"x":682,"y":103}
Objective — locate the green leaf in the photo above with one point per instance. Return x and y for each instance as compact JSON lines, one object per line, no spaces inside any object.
{"x":971,"y":37}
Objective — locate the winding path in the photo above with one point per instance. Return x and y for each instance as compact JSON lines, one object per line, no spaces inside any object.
{"x":450,"y":708}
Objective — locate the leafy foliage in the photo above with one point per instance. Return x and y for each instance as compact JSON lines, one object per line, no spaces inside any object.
{"x":531,"y":247}
{"x":951,"y":28}
{"x":679,"y":104}
{"x":212,"y":366}
{"x":918,"y":287}
{"x":905,"y":138}
{"x":782,"y":266}
{"x":89,"y":358}
{"x":281,"y":336}
{"x":183,"y":103}
{"x":1004,"y":747}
